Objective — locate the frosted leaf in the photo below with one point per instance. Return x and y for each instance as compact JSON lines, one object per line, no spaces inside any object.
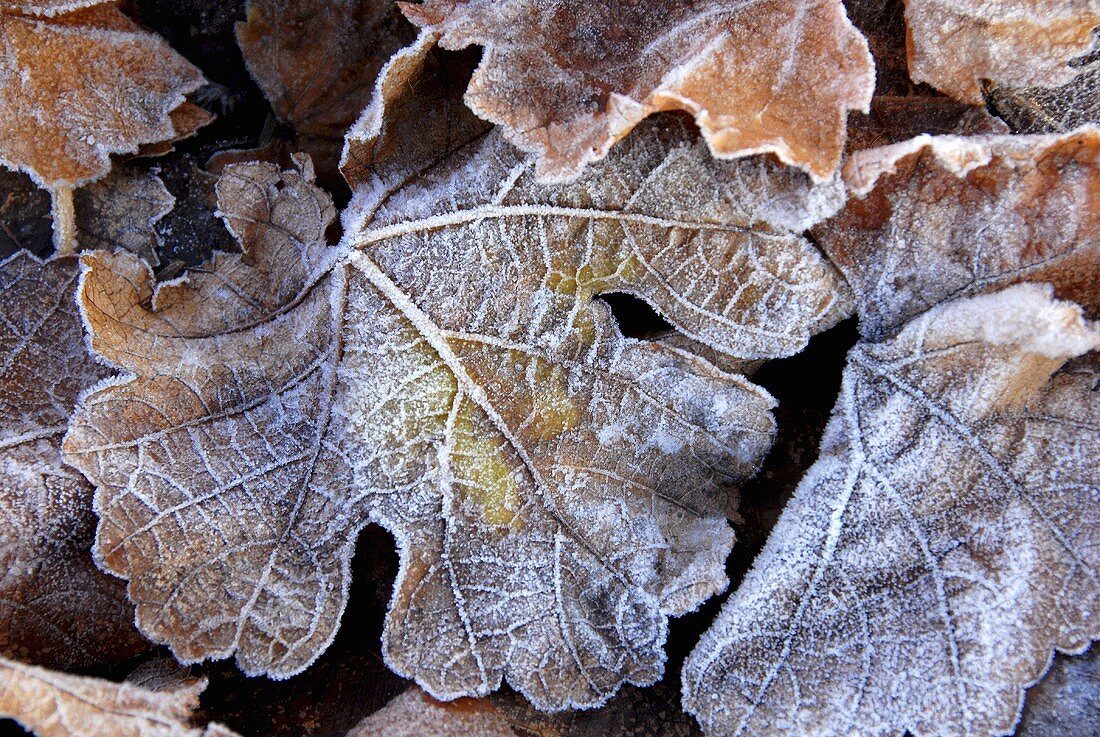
{"x":955,"y":44}
{"x":1066,"y":703}
{"x":52,"y":704}
{"x":77,"y":85}
{"x":121,"y":211}
{"x":56,"y":608}
{"x":316,"y":62}
{"x":1051,"y":110}
{"x":712,"y":245}
{"x":415,"y":119}
{"x":943,"y":544}
{"x":568,"y":79}
{"x":937,"y":218}
{"x":632,"y":713}
{"x":557,"y":491}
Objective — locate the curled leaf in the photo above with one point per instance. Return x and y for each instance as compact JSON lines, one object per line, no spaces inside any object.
{"x":955,"y":44}
{"x":936,"y":218}
{"x":566,"y":80}
{"x":944,"y":543}
{"x":56,"y":607}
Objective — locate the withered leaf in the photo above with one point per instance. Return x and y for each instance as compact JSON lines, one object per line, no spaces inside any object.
{"x":316,"y":62}
{"x":557,"y":491}
{"x":52,"y":704}
{"x":955,"y":44}
{"x":56,"y":607}
{"x":944,"y":543}
{"x":80,"y":81}
{"x":1050,"y":110}
{"x":631,"y":713}
{"x":936,"y":218}
{"x":121,"y":211}
{"x":415,"y":119}
{"x":568,"y":79}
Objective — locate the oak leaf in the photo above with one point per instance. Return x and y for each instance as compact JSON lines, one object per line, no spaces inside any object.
{"x":56,"y":607}
{"x":955,"y":44}
{"x":936,"y":218}
{"x":557,"y":491}
{"x":944,"y":543}
{"x":566,"y":80}
{"x":53,"y":704}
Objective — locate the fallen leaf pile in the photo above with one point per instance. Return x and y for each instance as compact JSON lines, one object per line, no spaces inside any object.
{"x":455,"y":388}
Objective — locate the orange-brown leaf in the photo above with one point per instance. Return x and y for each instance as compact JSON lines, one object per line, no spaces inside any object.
{"x":568,"y":79}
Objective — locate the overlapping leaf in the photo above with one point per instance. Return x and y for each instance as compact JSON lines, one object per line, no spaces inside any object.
{"x":568,"y":79}
{"x":943,"y":544}
{"x":56,"y":608}
{"x":317,"y":62}
{"x":632,"y":713}
{"x":557,"y":491}
{"x":52,"y":704}
{"x":936,"y":218}
{"x":78,"y":82}
{"x":955,"y":44}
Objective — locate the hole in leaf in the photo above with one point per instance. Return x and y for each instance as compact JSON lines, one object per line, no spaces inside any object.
{"x":635,"y":316}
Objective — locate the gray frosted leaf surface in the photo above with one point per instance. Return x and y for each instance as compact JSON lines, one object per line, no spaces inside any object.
{"x":56,"y":607}
{"x":557,"y":491}
{"x":939,"y":550}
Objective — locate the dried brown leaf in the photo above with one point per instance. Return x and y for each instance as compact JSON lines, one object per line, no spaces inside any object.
{"x":52,"y":704}
{"x":557,"y":490}
{"x":936,"y":218}
{"x":416,"y":118}
{"x":121,"y":211}
{"x":317,"y":61}
{"x":945,"y":542}
{"x":568,"y":79}
{"x":632,"y":713}
{"x":78,"y":82}
{"x":955,"y":44}
{"x":56,"y":607}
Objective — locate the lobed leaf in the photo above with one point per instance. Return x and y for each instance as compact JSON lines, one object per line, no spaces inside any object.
{"x":557,"y":491}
